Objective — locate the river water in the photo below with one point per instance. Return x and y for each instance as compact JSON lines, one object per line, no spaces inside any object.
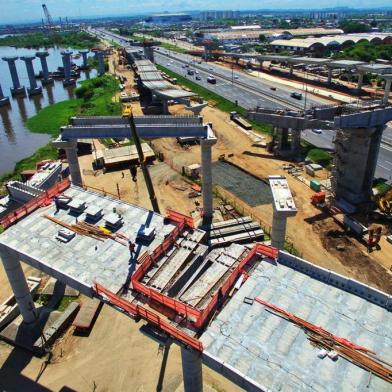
{"x":16,"y":142}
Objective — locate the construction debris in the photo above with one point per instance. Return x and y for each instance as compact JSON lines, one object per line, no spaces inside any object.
{"x":89,"y":230}
{"x":336,"y":345}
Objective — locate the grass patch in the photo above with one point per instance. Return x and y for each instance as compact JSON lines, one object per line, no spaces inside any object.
{"x":64,"y":303}
{"x":77,"y":40}
{"x":319,"y":156}
{"x":94,"y":98}
{"x":382,"y":188}
{"x":50,"y":119}
{"x":172,"y":47}
{"x":219,"y":102}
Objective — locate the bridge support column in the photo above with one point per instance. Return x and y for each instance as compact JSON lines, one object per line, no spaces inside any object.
{"x":360,"y":81}
{"x":206,"y":179}
{"x":329,"y":75}
{"x":68,"y":81}
{"x":387,"y":88}
{"x":295,"y":141}
{"x":291,"y":69}
{"x":16,"y":89}
{"x":18,"y":283}
{"x":192,"y":370}
{"x":70,"y":148}
{"x":3,"y":100}
{"x":278,"y":232}
{"x":101,"y":63}
{"x":355,"y":161}
{"x":84,"y":56}
{"x":33,"y":89}
{"x":165,"y":106}
{"x":45,"y":72}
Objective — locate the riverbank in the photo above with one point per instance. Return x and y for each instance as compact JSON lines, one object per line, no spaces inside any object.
{"x":75,"y":40}
{"x":94,"y":98}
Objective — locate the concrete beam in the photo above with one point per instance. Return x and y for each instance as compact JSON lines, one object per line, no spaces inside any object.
{"x":151,"y":131}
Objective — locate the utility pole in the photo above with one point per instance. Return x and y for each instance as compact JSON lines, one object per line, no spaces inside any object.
{"x":127,"y":112}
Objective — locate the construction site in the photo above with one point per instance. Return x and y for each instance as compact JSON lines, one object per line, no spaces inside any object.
{"x":202,"y":255}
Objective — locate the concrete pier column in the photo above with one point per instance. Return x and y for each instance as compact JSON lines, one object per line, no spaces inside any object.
{"x":291,"y":69}
{"x":360,"y":80}
{"x":206,"y":179}
{"x":355,"y":162}
{"x":283,"y":207}
{"x":295,"y":141}
{"x":17,"y":89}
{"x":165,"y":106}
{"x":3,"y":100}
{"x":192,"y":370}
{"x":84,"y":54}
{"x":66,"y":56}
{"x":33,"y":89}
{"x":101,"y":63}
{"x":70,"y":148}
{"x":45,"y":72}
{"x":278,"y":232}
{"x":387,"y":88}
{"x":18,"y":283}
{"x":329,"y":75}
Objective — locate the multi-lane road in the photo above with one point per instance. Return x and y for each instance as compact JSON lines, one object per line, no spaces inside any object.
{"x":250,"y":92}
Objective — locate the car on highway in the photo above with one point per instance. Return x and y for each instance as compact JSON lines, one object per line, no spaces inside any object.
{"x":211,"y":80}
{"x":273,"y":88}
{"x":236,"y":77}
{"x":317,"y":131}
{"x":296,"y":95}
{"x":198,"y":77}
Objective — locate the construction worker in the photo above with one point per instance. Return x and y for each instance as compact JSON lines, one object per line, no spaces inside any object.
{"x":131,"y":247}
{"x":133,"y":171}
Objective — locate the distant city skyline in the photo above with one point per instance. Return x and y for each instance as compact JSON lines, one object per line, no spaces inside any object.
{"x":30,"y":10}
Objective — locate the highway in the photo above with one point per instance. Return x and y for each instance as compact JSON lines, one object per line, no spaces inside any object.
{"x":251,"y":92}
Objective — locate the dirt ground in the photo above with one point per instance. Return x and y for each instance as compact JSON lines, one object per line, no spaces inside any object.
{"x":116,"y":356}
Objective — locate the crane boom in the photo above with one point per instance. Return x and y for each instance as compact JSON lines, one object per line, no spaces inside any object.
{"x":49,"y":20}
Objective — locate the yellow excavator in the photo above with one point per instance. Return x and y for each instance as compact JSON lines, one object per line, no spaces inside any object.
{"x":384,"y":203}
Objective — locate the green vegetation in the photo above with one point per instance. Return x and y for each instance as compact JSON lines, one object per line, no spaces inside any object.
{"x":319,"y":156}
{"x":64,"y":303}
{"x":50,"y":119}
{"x":77,"y":40}
{"x":221,"y":103}
{"x":382,"y":187}
{"x":94,"y":98}
{"x":349,"y":26}
{"x":96,"y":95}
{"x":173,"y":48}
{"x":366,"y":51}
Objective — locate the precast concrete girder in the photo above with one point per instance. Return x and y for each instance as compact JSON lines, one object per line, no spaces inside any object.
{"x":284,"y":121}
{"x":152,"y":131}
{"x":365,"y":119}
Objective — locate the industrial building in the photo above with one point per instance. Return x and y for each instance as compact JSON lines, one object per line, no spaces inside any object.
{"x":238,"y":36}
{"x":335,"y":42}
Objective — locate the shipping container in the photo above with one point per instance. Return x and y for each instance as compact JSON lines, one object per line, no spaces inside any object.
{"x":315,"y":185}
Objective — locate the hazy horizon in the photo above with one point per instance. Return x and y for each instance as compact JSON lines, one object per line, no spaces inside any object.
{"x":31,"y":10}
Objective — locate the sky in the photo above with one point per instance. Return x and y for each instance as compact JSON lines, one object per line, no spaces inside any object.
{"x":22,"y":10}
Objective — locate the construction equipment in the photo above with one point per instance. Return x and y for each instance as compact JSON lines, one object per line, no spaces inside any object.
{"x":318,"y":199}
{"x":127,"y":113}
{"x":49,"y":21}
{"x":384,"y":203}
{"x":358,"y":355}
